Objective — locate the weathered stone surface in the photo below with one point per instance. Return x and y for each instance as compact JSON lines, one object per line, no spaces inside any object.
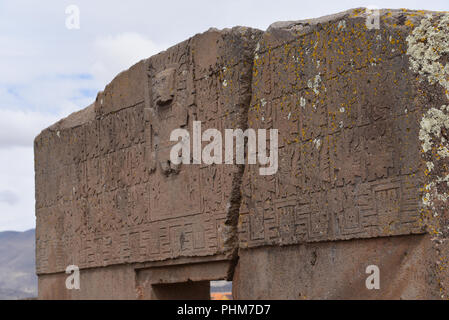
{"x":106,"y":190}
{"x":349,"y":107}
{"x":342,"y":97}
{"x":362,"y":117}
{"x":336,"y":270}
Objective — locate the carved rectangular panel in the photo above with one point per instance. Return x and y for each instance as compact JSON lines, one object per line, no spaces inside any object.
{"x":348,"y":137}
{"x":107,"y":192}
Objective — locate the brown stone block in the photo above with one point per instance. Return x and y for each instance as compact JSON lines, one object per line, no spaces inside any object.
{"x":362,"y":175}
{"x":125,"y":90}
{"x":337,"y":270}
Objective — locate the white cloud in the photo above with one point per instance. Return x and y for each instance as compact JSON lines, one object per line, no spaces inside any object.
{"x":9,"y":197}
{"x":117,"y":53}
{"x":17,"y":185}
{"x":19,"y":128}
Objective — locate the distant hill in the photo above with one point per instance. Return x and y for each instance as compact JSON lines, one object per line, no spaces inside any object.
{"x":17,"y":265}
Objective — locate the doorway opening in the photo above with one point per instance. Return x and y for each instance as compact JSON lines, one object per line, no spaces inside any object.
{"x":221,"y":290}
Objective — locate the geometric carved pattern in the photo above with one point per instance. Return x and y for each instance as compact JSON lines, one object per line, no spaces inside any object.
{"x":348,"y":136}
{"x":106,"y":192}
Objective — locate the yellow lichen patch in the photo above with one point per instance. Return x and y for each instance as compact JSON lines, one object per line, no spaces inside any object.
{"x":410,"y":24}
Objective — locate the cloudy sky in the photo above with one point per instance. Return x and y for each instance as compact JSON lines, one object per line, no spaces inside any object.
{"x":48,"y":71}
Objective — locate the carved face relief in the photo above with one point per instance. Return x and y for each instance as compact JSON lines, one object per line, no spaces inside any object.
{"x":164,"y":87}
{"x":162,"y":117}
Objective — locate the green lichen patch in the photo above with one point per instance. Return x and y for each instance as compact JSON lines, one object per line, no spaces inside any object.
{"x":428,"y":47}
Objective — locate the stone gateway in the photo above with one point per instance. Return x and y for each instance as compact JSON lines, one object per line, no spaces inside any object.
{"x":362,"y":173}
